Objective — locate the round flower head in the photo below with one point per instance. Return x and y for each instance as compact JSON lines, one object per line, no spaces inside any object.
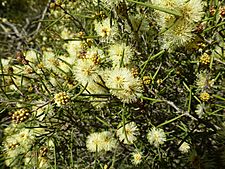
{"x":204,"y":96}
{"x":156,"y":136}
{"x":66,"y":33}
{"x":20,"y":115}
{"x":180,"y":29}
{"x":178,"y":35}
{"x":100,"y":141}
{"x":74,"y":47}
{"x":93,"y":142}
{"x":25,"y":137}
{"x":11,"y":143}
{"x":184,"y":148}
{"x":17,"y":142}
{"x":199,"y":110}
{"x":137,"y":157}
{"x":95,"y":54}
{"x":105,"y":30}
{"x":205,"y":59}
{"x":192,"y":10}
{"x":203,"y":80}
{"x":86,"y":71}
{"x":128,"y":133}
{"x":120,"y":53}
{"x":50,"y":61}
{"x":108,"y":142}
{"x":123,"y":84}
{"x":164,"y":19}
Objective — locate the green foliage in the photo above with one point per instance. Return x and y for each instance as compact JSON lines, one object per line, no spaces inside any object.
{"x":91,"y":84}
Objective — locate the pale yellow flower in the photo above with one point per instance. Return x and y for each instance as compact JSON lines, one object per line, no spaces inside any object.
{"x":128,"y":133}
{"x":156,"y":136}
{"x":137,"y":157}
{"x":184,"y":148}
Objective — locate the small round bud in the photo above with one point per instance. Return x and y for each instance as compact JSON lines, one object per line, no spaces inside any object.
{"x":20,"y":115}
{"x":205,"y":59}
{"x":159,"y":81}
{"x":10,"y":70}
{"x":40,"y":65}
{"x":222,"y":11}
{"x":212,"y":10}
{"x":43,"y":151}
{"x":61,"y":98}
{"x":80,"y":34}
{"x":204,"y":96}
{"x":89,"y":42}
{"x":134,"y":72}
{"x":146,"y":80}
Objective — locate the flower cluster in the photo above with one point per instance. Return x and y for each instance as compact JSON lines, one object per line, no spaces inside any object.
{"x":18,"y":143}
{"x":113,"y":84}
{"x":177,"y":31}
{"x":61,"y":98}
{"x":205,"y":59}
{"x":20,"y":115}
{"x":101,"y":141}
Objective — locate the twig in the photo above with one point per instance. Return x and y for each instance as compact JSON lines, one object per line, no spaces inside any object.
{"x":34,"y":33}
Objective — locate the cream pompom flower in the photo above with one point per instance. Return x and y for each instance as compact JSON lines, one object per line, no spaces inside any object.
{"x":105,"y":30}
{"x":137,"y":157}
{"x":99,"y":141}
{"x":156,"y":136}
{"x":26,"y":137}
{"x":53,"y":62}
{"x":127,"y":134}
{"x":73,"y":48}
{"x":124,"y":85}
{"x":192,"y":10}
{"x":86,"y":71}
{"x":178,"y":35}
{"x":184,"y":147}
{"x":164,"y":19}
{"x":95,"y":54}
{"x":120,"y":53}
{"x":93,"y":142}
{"x":177,"y":31}
{"x":203,"y":80}
{"x":108,"y":142}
